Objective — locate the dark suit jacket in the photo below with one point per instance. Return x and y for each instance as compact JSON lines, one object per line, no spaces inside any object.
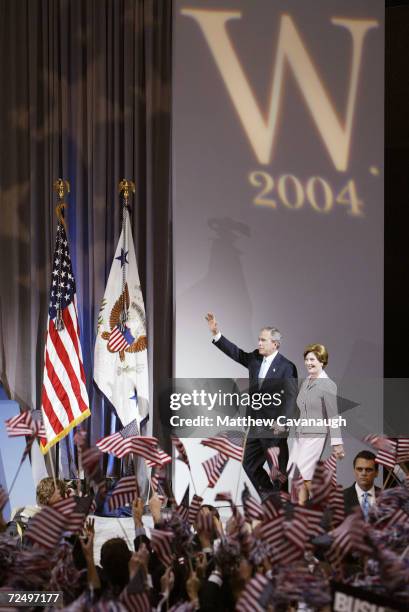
{"x":351,"y":498}
{"x":281,"y":378}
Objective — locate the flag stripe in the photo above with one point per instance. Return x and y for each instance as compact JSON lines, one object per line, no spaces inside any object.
{"x":77,"y":384}
{"x":50,"y":417}
{"x":117,"y":341}
{"x":68,"y":319}
{"x":57,"y":387}
{"x":51,"y":385}
{"x":67,"y":363}
{"x":57,"y":377}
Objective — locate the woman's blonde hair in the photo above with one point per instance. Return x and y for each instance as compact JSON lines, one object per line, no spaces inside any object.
{"x":319,"y":351}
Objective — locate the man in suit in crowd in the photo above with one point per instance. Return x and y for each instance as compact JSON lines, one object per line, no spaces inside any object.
{"x":269,"y":373}
{"x":363,"y":492}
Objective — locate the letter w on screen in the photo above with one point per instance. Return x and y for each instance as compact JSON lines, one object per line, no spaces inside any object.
{"x":335,"y":133}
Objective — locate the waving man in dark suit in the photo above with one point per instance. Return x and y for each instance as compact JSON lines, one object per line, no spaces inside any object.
{"x":272,"y":373}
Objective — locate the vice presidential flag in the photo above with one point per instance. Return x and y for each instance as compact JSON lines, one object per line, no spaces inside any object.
{"x":121,"y":361}
{"x":64,"y":400}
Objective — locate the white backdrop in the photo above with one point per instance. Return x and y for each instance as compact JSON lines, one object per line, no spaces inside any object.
{"x":271,"y":226}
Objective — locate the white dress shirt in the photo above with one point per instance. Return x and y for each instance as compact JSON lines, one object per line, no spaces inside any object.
{"x":360,"y":493}
{"x":265,"y":365}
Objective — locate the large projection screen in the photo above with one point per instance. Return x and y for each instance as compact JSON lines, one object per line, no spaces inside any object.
{"x":278,"y":188}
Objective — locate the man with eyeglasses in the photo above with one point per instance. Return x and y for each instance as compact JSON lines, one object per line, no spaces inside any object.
{"x":363,"y":492}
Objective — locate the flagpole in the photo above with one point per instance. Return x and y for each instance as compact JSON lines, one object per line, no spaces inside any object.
{"x":125,"y":187}
{"x":241,"y":463}
{"x":193,"y":482}
{"x":403,"y":555}
{"x":204,"y":491}
{"x":124,"y":532}
{"x":23,"y":458}
{"x":390,"y":473}
{"x":135,"y":469}
{"x":61,"y":187}
{"x":52,"y":468}
{"x":149,"y":489}
{"x":79,"y":470}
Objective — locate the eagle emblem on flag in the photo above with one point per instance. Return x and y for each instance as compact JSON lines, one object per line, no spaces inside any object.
{"x":121,"y":356}
{"x":120,"y":338}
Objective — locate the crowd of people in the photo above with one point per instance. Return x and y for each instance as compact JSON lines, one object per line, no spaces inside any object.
{"x":284,"y":549}
{"x":270,"y":555}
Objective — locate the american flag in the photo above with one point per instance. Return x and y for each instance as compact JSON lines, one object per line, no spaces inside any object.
{"x":321,"y":483}
{"x":287,"y":552}
{"x":380,"y":442}
{"x":135,"y":602}
{"x":336,"y":504}
{"x":272,"y":506}
{"x":126,"y":490}
{"x":394,"y":571}
{"x":230,"y":443}
{"x":296,"y":482}
{"x":159,"y":484}
{"x":27,"y":423}
{"x":46,"y":527}
{"x":272,"y":454}
{"x":74,"y":520}
{"x":349,"y":536}
{"x":285,"y":497}
{"x":398,"y":516}
{"x":402,"y":451}
{"x":223,"y":496}
{"x":120,"y":339}
{"x":125,"y":441}
{"x":19,"y":425}
{"x":161,"y":544}
{"x":257,"y":595}
{"x":252,"y":508}
{"x":387,"y":457}
{"x":214,"y":467}
{"x":161,"y":460}
{"x":305,"y":524}
{"x":330,"y":464}
{"x":183,"y":508}
{"x":194,"y":508}
{"x":65,"y":506}
{"x":180,"y":447}
{"x":64,"y":401}
{"x":90,"y":461}
{"x":272,"y":529}
{"x":158,"y":478}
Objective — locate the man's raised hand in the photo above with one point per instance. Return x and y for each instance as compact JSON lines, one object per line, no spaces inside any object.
{"x":212,"y":323}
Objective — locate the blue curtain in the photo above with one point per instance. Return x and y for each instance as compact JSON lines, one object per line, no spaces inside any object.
{"x":86,"y":97}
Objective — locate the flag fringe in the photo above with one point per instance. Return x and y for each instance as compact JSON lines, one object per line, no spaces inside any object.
{"x":64,"y":432}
